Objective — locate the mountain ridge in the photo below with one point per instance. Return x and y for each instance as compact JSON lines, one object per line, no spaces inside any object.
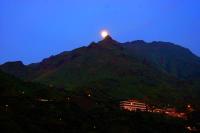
{"x":162,"y":52}
{"x":166,"y":54}
{"x":121,"y":70}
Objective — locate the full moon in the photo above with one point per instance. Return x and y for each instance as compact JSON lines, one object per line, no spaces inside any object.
{"x":104,"y":33}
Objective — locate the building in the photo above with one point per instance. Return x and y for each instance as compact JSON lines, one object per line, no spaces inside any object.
{"x":138,"y":105}
{"x":133,"y":105}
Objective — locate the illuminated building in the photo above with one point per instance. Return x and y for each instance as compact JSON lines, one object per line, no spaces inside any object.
{"x":133,"y":105}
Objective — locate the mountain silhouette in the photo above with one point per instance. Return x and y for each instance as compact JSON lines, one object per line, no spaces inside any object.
{"x":119,"y":70}
{"x":173,"y":59}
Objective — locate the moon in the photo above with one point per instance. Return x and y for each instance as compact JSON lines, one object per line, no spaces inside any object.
{"x":104,"y":33}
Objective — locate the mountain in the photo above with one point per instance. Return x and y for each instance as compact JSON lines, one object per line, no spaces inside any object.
{"x":11,"y":86}
{"x":109,"y":69}
{"x":173,"y":59}
{"x":21,"y":111}
{"x":16,"y":68}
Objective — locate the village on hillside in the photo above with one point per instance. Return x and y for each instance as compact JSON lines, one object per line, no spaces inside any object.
{"x":139,"y":105}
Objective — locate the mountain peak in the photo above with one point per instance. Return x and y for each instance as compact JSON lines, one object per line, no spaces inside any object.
{"x":108,"y":40}
{"x":15,"y":63}
{"x":108,"y":37}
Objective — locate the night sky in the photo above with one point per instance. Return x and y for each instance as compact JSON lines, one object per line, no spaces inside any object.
{"x":31,"y":30}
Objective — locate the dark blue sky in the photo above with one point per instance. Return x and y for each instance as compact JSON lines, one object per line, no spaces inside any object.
{"x":31,"y":30}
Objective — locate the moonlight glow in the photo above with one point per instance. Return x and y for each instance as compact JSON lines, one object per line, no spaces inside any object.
{"x":104,"y":33}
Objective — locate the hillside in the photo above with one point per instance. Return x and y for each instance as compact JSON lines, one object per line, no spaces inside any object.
{"x":173,"y":59}
{"x":111,"y":69}
{"x":11,"y":86}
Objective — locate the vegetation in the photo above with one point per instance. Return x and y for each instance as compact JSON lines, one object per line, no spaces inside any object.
{"x":26,"y":115}
{"x":80,"y":90}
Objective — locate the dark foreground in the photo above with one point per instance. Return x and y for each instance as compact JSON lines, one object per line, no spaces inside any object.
{"x":27,"y":115}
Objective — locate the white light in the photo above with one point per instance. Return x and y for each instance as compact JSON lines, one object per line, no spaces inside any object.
{"x":104,"y":33}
